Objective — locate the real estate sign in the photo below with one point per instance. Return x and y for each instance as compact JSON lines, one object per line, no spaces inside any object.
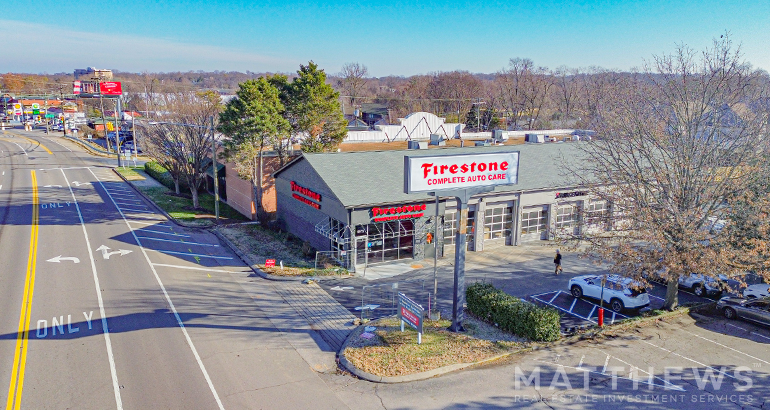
{"x":410,"y":312}
{"x":450,"y":172}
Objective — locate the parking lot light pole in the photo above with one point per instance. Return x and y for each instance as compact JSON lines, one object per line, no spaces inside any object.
{"x":601,"y":302}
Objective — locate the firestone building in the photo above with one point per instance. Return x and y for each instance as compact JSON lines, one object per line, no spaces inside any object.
{"x":353,"y":205}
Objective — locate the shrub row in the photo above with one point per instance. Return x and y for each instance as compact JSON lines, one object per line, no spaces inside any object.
{"x":162,"y":175}
{"x":512,"y":314}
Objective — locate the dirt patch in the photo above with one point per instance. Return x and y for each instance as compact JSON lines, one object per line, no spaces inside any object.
{"x":390,"y":352}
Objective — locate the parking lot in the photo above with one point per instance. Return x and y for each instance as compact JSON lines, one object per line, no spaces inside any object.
{"x":523,"y":271}
{"x":583,"y":312}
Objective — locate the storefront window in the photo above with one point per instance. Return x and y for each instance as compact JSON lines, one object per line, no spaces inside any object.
{"x":596,"y":213}
{"x":451,"y":223}
{"x":534,"y":221}
{"x":567,"y":216}
{"x":380,"y":242}
{"x":497,"y":222}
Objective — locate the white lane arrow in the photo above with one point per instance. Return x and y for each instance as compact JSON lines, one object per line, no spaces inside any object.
{"x":76,"y":183}
{"x":106,"y":255}
{"x":51,"y":186}
{"x":60,"y":258}
{"x":341,"y":288}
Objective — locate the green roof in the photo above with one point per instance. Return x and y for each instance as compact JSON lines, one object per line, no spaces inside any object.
{"x":377,"y":177}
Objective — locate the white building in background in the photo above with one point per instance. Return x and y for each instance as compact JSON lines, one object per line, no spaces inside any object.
{"x":417,"y":126}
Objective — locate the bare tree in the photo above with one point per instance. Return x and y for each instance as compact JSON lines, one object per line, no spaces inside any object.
{"x":352,"y":81}
{"x":182,"y":140}
{"x":677,"y":142}
{"x":454,"y":92}
{"x":566,"y":91}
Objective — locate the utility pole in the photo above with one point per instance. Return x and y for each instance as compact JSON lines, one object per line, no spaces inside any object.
{"x":63,"y":118}
{"x":215,"y":171}
{"x":117,"y":128}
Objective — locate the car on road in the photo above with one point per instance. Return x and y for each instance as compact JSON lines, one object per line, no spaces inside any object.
{"x":757,"y":291}
{"x":753,"y":310}
{"x":618,"y":292}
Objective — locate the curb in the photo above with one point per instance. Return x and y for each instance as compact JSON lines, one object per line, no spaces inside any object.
{"x":90,"y":149}
{"x":409,"y":377}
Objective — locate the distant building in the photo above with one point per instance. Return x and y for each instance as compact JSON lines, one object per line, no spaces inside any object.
{"x":92,"y":72}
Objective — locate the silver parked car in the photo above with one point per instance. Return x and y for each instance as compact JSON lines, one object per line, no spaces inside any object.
{"x":753,"y":310}
{"x":759,"y":290}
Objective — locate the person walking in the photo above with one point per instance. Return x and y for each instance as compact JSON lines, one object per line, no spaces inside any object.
{"x":557,"y":262}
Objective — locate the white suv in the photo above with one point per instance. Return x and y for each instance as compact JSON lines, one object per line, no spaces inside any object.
{"x":619,"y":292}
{"x":703,"y":285}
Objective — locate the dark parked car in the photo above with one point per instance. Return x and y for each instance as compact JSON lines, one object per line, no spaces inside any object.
{"x":753,"y":310}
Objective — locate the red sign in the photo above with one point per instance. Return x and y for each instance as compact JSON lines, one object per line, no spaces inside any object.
{"x":398,"y":212}
{"x":110,"y":88}
{"x":307,"y":193}
{"x":270,"y":263}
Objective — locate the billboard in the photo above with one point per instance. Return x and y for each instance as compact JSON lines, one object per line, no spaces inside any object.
{"x":449,"y":172}
{"x":110,"y":88}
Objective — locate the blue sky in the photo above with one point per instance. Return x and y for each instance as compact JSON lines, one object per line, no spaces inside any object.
{"x":389,"y":37}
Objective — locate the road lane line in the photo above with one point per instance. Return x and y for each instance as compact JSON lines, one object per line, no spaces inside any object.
{"x":200,"y":255}
{"x":168,"y":299}
{"x":22,"y":148}
{"x":171,"y":240}
{"x":197,"y":268}
{"x":163,"y":233}
{"x":39,"y":144}
{"x":727,"y":347}
{"x":137,"y":210}
{"x":48,"y":139}
{"x":606,"y":362}
{"x":110,"y":357}
{"x":22,"y":336}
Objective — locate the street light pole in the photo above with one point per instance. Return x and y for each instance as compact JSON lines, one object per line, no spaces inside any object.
{"x":215,"y":172}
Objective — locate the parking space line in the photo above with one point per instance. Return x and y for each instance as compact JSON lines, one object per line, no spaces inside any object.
{"x":546,"y":293}
{"x":554,"y":297}
{"x":606,"y":362}
{"x":687,"y":358}
{"x":737,"y":327}
{"x":612,"y":322}
{"x":580,"y":363}
{"x":760,"y":335}
{"x":673,"y":386}
{"x":147,"y":223}
{"x":163,"y":233}
{"x":125,"y":195}
{"x":137,"y":210}
{"x":592,"y":312}
{"x":573,"y":305}
{"x":650,"y":375}
{"x":171,"y":240}
{"x":190,"y":254}
{"x":653,"y":296}
{"x":562,"y":309}
{"x":727,"y":347}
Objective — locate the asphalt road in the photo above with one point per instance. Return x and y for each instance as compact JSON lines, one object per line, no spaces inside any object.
{"x":106,"y":304}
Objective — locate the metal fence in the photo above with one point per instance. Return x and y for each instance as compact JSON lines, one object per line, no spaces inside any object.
{"x":381,"y":300}
{"x":331,"y":259}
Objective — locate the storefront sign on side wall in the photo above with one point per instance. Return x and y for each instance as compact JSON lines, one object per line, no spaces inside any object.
{"x":449,"y":172}
{"x":310,"y":197}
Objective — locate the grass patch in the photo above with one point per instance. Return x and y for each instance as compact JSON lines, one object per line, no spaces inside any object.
{"x":295,"y":271}
{"x":130,"y":173}
{"x":261,"y":244}
{"x":181,"y":208}
{"x":394,"y":353}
